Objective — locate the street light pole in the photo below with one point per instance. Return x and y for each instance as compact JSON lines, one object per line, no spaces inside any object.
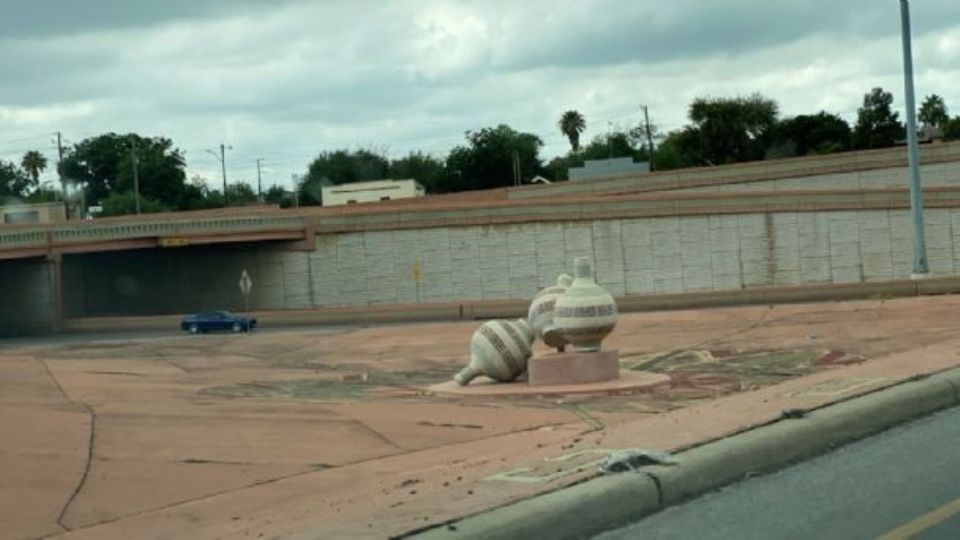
{"x":920,"y":268}
{"x":223,"y":169}
{"x":135,"y":159}
{"x":259,"y":185}
{"x":223,"y":166}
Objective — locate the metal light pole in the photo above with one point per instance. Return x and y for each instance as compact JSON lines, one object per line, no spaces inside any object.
{"x":223,"y":166}
{"x":920,"y":268}
{"x":259,"y":185}
{"x":135,"y":158}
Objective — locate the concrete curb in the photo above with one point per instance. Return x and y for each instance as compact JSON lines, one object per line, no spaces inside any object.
{"x":609,"y":502}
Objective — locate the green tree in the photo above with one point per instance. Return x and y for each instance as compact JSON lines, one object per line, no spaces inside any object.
{"x":104,"y":165}
{"x":487,"y":159}
{"x":820,"y":133}
{"x":951,"y":129}
{"x":426,"y":169}
{"x":43,"y":193}
{"x":14,"y":182}
{"x":276,"y":194}
{"x":616,"y":144}
{"x":877,"y":125}
{"x":34,"y":163}
{"x":557,"y":168}
{"x":572,"y":124}
{"x":341,"y":167}
{"x":679,"y":149}
{"x":125,"y":202}
{"x":730,"y":130}
{"x":933,"y":111}
{"x":240,"y":193}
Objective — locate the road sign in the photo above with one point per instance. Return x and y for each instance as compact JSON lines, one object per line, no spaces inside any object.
{"x":245,"y":283}
{"x":174,"y":241}
{"x":416,"y":273}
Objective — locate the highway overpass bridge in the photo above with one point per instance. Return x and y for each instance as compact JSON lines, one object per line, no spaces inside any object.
{"x":830,"y":219}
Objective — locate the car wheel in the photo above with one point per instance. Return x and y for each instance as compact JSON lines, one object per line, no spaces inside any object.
{"x":194,"y":329}
{"x":237,"y":327}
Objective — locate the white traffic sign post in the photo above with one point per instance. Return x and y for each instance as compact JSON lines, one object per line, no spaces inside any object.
{"x":245,"y":285}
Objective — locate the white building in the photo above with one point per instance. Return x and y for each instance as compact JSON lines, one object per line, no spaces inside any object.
{"x":373,"y":191}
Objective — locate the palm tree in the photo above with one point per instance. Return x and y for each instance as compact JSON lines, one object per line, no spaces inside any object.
{"x":572,"y":125}
{"x":34,"y":163}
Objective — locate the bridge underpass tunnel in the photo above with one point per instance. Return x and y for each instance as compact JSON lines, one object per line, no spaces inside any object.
{"x":28,"y":299}
{"x":181,"y":280}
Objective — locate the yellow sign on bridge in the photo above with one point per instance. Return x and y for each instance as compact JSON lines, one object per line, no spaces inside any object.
{"x":174,"y":241}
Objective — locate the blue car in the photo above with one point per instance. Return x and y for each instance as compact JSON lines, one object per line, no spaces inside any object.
{"x":201,"y":323}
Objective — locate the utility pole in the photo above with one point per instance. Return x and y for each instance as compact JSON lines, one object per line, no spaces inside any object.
{"x":516,"y":168}
{"x":609,"y":143}
{"x":223,"y":169}
{"x":135,"y":160}
{"x":63,"y":185}
{"x":296,"y":190}
{"x":223,"y":166}
{"x":646,"y":122}
{"x":259,"y":186}
{"x":920,"y":268}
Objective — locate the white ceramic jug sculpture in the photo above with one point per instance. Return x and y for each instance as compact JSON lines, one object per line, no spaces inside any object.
{"x":499,"y":350}
{"x":586,"y":313}
{"x":541,"y":309}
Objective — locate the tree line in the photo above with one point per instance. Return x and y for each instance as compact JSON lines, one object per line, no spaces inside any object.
{"x":720,"y":131}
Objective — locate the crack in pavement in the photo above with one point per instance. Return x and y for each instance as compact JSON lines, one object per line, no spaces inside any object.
{"x":312,"y":470}
{"x":90,"y":444}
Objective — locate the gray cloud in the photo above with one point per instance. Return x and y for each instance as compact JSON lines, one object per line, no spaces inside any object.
{"x":37,"y":19}
{"x":284,"y":80}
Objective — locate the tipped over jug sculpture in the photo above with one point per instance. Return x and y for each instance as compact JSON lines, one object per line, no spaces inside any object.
{"x":499,"y":350}
{"x":586,"y":313}
{"x":540,"y":314}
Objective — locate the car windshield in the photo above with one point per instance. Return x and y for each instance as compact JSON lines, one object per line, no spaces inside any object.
{"x":479,"y":268}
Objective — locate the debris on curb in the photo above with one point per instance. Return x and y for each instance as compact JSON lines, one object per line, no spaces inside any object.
{"x":633,"y":459}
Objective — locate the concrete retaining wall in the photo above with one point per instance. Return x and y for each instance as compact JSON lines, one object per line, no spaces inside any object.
{"x":809,"y":166}
{"x":499,"y":262}
{"x":934,"y":175}
{"x":633,"y":256}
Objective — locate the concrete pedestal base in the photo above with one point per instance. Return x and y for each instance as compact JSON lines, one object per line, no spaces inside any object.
{"x":631,"y":382}
{"x":574,"y":368}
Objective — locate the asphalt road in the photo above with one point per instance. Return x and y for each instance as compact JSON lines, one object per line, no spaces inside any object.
{"x":903,"y":483}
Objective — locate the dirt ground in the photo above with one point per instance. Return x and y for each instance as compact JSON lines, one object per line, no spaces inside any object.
{"x":330,"y":433}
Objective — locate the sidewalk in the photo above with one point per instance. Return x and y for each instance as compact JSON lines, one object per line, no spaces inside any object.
{"x":329,"y":433}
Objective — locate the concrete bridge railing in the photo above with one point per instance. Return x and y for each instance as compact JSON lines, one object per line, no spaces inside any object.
{"x":93,"y":231}
{"x":21,"y":238}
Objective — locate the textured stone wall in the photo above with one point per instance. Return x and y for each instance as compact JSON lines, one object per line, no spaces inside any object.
{"x":633,"y":256}
{"x":495,"y":262}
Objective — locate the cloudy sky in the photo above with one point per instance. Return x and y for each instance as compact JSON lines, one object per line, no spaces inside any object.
{"x":284,"y":79}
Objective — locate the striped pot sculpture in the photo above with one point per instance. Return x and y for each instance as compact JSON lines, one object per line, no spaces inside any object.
{"x":540,"y":314}
{"x":586,"y":313}
{"x":499,"y":350}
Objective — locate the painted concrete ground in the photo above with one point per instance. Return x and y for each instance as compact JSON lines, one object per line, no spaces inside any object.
{"x":330,"y":433}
